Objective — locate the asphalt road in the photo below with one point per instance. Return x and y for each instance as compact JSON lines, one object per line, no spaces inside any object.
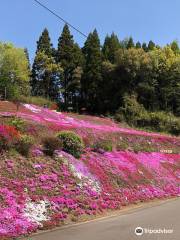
{"x":165,"y":215}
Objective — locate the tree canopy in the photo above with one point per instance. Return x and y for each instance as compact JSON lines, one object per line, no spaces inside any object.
{"x":14,"y":71}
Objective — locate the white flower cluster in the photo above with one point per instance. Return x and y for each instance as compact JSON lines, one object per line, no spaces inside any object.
{"x":36,"y":212}
{"x":31,"y":108}
{"x":85,"y":180}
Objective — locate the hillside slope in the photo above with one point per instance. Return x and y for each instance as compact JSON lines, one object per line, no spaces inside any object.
{"x":42,"y":192}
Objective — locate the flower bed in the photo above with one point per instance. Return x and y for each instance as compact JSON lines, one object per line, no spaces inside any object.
{"x":41,"y":192}
{"x":44,"y":192}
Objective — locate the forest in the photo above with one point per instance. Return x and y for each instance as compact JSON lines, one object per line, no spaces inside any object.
{"x":133,"y":82}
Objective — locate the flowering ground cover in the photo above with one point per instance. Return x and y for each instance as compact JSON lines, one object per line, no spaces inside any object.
{"x":92,"y":129}
{"x":39,"y":192}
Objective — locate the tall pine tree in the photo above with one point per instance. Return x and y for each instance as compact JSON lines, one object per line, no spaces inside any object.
{"x":92,"y":72}
{"x":27,"y":56}
{"x":69,"y":55}
{"x":45,"y":73}
{"x":138,"y":45}
{"x":111,"y":45}
{"x":144,"y":47}
{"x":130,"y":43}
{"x":44,"y":43}
{"x":151,"y":45}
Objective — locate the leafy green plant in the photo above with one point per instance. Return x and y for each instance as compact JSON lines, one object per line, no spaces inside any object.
{"x":71,"y":143}
{"x":136,"y":115}
{"x":131,"y":111}
{"x":17,"y":122}
{"x":103,"y":144}
{"x":50,"y":144}
{"x":175,"y":128}
{"x":121,"y":145}
{"x":24,"y":144}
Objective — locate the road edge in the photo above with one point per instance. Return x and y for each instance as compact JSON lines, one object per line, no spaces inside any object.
{"x":123,"y":211}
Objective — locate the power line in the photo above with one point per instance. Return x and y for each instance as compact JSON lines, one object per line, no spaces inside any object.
{"x":56,"y":15}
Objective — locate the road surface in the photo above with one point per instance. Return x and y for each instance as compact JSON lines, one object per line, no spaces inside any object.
{"x":162,"y":217}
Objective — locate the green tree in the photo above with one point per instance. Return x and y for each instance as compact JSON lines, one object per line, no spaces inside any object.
{"x":175,"y":47}
{"x":74,"y":83}
{"x":151,"y":45}
{"x":124,"y":43}
{"x":43,"y":46}
{"x":138,"y":45}
{"x":166,"y":70}
{"x":92,"y":72}
{"x":14,"y":71}
{"x":44,"y":43}
{"x":109,"y":88}
{"x":130,"y":43}
{"x":69,"y":55}
{"x":144,"y":47}
{"x":48,"y":75}
{"x":27,"y":56}
{"x":134,"y":75}
{"x":111,"y":45}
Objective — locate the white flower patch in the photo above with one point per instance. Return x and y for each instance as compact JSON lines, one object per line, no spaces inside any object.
{"x":85,"y":180}
{"x":36,"y":212}
{"x":32,"y":108}
{"x":79,"y":170}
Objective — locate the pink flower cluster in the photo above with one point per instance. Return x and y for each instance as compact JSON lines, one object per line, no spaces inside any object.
{"x":77,"y":187}
{"x":48,"y":191}
{"x":63,"y":120}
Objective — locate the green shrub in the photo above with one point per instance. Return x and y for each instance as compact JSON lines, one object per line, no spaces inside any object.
{"x":71,"y":143}
{"x":175,"y":127}
{"x":50,"y":144}
{"x":131,"y":111}
{"x":142,"y":148}
{"x":121,"y":145}
{"x":17,"y":122}
{"x":164,"y":122}
{"x":136,"y":115}
{"x":24,"y":145}
{"x":103,"y":144}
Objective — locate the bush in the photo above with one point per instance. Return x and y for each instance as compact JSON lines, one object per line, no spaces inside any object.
{"x":16,"y":122}
{"x":24,"y":145}
{"x":175,"y":127}
{"x":8,"y":137}
{"x":131,"y":111}
{"x":164,"y":122}
{"x":71,"y":143}
{"x":136,"y":115}
{"x":103,"y":144}
{"x":50,"y":144}
{"x":122,"y":145}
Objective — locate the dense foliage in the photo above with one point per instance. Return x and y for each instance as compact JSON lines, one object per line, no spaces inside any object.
{"x":24,"y":144}
{"x":71,"y":143}
{"x":50,"y":144}
{"x":97,"y":79}
{"x":14,"y":72}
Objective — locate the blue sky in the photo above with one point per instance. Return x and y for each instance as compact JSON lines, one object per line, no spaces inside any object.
{"x":22,"y":21}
